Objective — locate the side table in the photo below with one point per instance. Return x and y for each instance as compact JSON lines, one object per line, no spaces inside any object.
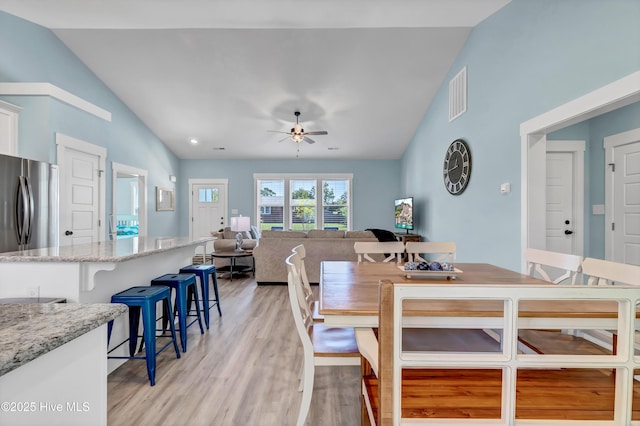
{"x":233,"y":267}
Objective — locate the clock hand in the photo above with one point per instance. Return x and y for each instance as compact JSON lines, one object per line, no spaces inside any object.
{"x":455,"y":166}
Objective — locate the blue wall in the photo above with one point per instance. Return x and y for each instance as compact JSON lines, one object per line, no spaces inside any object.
{"x":30,"y":53}
{"x":526,"y":59}
{"x":375,"y":184}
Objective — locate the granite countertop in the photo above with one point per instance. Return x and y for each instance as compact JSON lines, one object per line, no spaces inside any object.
{"x":103,"y":251}
{"x":28,"y":331}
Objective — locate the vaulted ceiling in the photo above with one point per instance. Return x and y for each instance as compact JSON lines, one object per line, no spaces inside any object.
{"x":225,"y":73}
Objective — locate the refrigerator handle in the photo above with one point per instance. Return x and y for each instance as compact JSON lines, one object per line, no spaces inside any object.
{"x":20,"y":210}
{"x":31,"y":210}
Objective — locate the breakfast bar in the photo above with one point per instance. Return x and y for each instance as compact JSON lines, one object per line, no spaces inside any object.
{"x":92,"y":273}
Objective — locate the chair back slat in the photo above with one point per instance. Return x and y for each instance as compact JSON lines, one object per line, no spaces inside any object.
{"x":605,"y":272}
{"x":306,"y":285}
{"x":364,"y":249}
{"x":537,"y":260}
{"x":446,"y":251}
{"x":299,"y":307}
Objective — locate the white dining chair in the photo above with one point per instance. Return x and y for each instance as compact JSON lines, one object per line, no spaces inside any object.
{"x":392,"y":249}
{"x":308,"y":291}
{"x":541,"y":262}
{"x":322,"y":346}
{"x":445,"y":250}
{"x":606,"y":272}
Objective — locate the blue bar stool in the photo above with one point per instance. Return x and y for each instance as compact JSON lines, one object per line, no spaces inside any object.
{"x":203,"y":272}
{"x":144,"y":299}
{"x":182,"y":283}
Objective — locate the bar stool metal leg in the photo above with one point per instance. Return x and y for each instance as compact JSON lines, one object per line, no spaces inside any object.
{"x":181,"y":283}
{"x":142,"y":301}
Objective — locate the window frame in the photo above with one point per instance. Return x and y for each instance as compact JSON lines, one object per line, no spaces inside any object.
{"x":319,"y":178}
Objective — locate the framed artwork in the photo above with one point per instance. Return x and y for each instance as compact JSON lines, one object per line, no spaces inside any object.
{"x":165,"y":199}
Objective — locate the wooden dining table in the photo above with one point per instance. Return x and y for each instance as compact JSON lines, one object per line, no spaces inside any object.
{"x":349,"y":298}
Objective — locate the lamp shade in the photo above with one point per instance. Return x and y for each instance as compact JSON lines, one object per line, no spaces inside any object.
{"x":241,"y":223}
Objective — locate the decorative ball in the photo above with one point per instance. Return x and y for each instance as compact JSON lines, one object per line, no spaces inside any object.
{"x":447,"y":266}
{"x":410,"y":266}
{"x":435,"y":266}
{"x":423,"y":266}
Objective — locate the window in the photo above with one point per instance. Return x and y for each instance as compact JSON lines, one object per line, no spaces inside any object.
{"x":335,"y":204}
{"x":208,"y":195}
{"x":292,"y":201}
{"x":271,"y":203}
{"x":303,"y":204}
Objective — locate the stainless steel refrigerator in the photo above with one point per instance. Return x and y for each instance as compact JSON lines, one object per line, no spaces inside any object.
{"x":29,"y":204}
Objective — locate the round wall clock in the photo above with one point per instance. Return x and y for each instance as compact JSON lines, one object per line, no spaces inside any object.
{"x":457,"y":167}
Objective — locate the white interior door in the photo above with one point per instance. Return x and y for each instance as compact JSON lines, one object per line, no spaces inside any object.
{"x":623,"y":197}
{"x":564,"y":194}
{"x":208,"y":207}
{"x":560,"y":226}
{"x":81,"y":191}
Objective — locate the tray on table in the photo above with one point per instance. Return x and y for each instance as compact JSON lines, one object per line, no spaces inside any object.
{"x":418,"y":274}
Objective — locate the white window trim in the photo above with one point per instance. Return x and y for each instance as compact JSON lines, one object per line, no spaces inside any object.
{"x":288,"y":177}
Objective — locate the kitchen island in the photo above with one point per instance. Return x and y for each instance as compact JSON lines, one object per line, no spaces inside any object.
{"x":53,"y":368}
{"x":92,"y":273}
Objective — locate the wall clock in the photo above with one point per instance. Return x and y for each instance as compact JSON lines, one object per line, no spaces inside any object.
{"x":457,"y":167}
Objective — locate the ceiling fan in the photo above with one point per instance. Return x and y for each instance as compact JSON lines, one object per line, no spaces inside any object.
{"x":297,"y":133}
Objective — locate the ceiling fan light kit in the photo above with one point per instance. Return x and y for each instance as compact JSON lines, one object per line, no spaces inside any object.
{"x":297,"y":133}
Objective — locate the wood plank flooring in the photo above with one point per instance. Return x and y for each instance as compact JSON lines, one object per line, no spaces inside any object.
{"x":243,"y":371}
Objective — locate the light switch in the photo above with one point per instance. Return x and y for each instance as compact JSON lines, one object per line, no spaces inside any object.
{"x":505,"y":188}
{"x":597,"y":209}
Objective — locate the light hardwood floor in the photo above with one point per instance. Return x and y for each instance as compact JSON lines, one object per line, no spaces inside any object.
{"x":243,"y":371}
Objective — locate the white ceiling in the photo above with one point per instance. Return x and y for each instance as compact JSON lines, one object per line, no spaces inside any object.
{"x":227,"y":72}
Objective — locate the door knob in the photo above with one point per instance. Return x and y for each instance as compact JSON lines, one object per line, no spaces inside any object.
{"x":567,"y":232}
{"x":68,"y":233}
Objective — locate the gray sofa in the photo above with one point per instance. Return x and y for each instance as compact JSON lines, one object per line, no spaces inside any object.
{"x":275,"y":246}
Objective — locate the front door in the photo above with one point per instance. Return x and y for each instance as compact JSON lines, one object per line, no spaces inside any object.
{"x":208,"y":207}
{"x":623,"y":198}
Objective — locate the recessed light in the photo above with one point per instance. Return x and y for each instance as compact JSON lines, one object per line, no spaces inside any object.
{"x":333,"y":148}
{"x":218,"y":148}
{"x":193,"y":141}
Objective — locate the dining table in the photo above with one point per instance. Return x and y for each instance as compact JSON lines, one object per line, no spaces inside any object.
{"x":349,"y":298}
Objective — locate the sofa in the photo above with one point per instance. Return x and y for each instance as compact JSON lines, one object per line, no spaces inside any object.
{"x":275,"y":246}
{"x":226,"y":240}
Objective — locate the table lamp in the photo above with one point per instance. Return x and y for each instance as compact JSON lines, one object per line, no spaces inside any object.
{"x":240,"y":224}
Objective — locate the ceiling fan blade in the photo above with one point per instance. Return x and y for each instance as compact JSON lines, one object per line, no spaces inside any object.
{"x":308,"y":140}
{"x":320,"y":132}
{"x":278,"y":131}
{"x":284,"y":139}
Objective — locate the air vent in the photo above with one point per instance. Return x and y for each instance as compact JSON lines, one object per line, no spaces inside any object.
{"x":458,"y":95}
